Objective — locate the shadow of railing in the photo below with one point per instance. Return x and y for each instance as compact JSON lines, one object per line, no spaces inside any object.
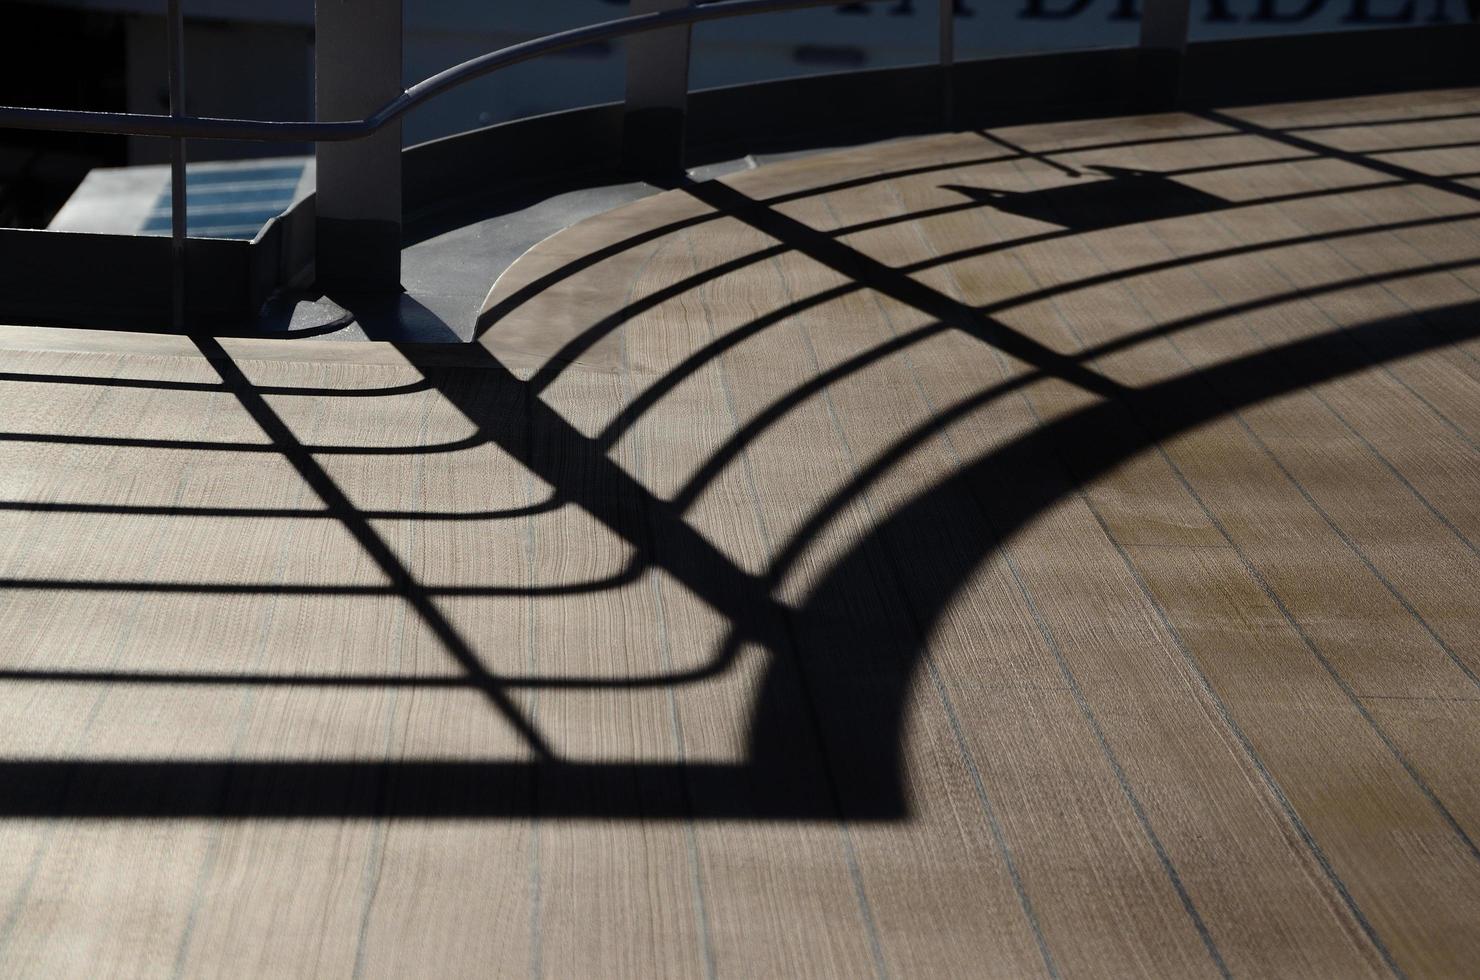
{"x":826,"y":731}
{"x":854,"y":647}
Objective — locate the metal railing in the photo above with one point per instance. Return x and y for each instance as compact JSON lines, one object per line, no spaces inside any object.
{"x":179,"y":126}
{"x":1164,"y":25}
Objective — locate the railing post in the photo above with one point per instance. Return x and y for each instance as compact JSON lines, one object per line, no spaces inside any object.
{"x":357,"y":69}
{"x":175,"y":40}
{"x":1163,"y":42}
{"x":947,"y":58}
{"x":657,"y":95}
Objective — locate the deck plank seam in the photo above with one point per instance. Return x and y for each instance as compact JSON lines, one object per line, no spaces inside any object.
{"x":1263,"y":583}
{"x":1204,"y":682}
{"x":1071,"y":681}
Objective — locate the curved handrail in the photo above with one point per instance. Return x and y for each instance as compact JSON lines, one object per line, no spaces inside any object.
{"x":262,"y":130}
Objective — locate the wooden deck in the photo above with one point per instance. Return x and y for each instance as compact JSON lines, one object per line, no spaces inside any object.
{"x":1048,"y":551}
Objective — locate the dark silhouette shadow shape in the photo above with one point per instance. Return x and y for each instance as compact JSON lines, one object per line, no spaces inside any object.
{"x":1128,"y":197}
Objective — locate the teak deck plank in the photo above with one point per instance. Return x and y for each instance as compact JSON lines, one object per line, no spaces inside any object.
{"x":1051,"y":551}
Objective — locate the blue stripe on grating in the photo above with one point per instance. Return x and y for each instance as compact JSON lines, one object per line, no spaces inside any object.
{"x":259,"y":216}
{"x":287,"y":171}
{"x":247,"y":195}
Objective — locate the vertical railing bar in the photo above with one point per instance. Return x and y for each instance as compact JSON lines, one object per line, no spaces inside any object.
{"x":947,"y":56}
{"x":358,"y":59}
{"x":1163,"y":43}
{"x":655,"y":122}
{"x":176,"y":42}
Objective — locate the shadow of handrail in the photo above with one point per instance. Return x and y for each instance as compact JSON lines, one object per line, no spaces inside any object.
{"x":670,"y":380}
{"x":573,"y":349}
{"x":856,"y":705}
{"x":826,"y":731}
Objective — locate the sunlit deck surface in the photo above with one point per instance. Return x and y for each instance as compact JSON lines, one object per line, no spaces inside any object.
{"x":1049,"y":550}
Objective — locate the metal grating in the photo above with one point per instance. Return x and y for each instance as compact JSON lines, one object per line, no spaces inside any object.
{"x":233,"y":203}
